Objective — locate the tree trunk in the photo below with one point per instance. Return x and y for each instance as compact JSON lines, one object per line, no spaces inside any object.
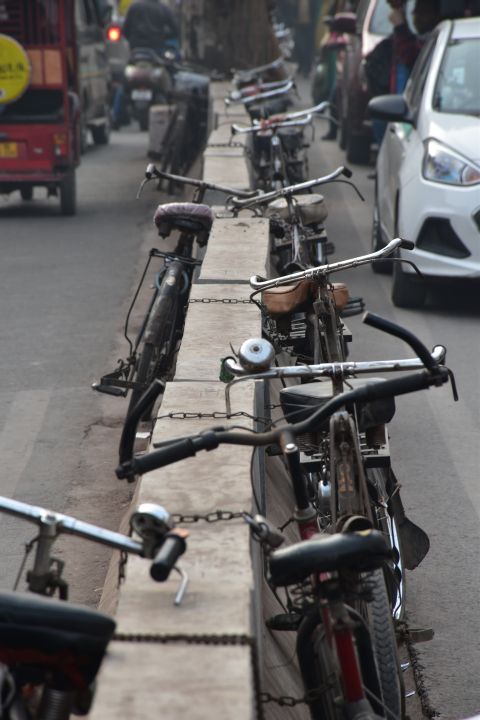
{"x":226,"y":34}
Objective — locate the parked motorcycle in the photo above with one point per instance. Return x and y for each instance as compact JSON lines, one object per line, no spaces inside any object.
{"x":147,"y":82}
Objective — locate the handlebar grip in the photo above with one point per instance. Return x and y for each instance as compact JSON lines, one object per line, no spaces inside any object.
{"x":403,"y":385}
{"x":407,"y":244}
{"x":172,"y":547}
{"x":187,"y":447}
{"x":347,"y":172}
{"x":398,"y":331}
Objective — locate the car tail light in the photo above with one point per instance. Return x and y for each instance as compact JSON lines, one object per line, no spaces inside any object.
{"x":114,"y":33}
{"x":60,"y":144}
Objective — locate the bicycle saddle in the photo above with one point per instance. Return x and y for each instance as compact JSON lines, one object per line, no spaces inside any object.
{"x":327,"y":553}
{"x":189,"y":217}
{"x":299,"y":401}
{"x":39,"y":632}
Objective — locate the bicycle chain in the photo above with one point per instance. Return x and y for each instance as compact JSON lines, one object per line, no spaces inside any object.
{"x":226,"y":641}
{"x":211,"y":517}
{"x":225,"y":301}
{"x":228,"y":144}
{"x":217,"y":415}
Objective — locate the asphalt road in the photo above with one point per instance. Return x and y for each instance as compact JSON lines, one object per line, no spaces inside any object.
{"x":435,"y":448}
{"x":64,"y":287}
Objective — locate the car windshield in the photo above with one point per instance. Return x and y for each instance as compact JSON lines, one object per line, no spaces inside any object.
{"x":380,"y":24}
{"x":458,"y":84}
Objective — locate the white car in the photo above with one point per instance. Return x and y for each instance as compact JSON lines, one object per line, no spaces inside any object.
{"x":428,"y":166}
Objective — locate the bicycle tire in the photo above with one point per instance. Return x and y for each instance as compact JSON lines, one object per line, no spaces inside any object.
{"x":319,"y":667}
{"x":377,"y":610}
{"x":160,"y":337}
{"x":144,"y":374}
{"x":384,"y":644}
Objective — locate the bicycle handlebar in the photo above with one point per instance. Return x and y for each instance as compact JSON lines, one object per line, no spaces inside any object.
{"x":70,"y":525}
{"x":259,"y":69}
{"x":153,"y":172}
{"x":261,"y":96}
{"x":343,"y":369}
{"x":180,"y":449}
{"x":274,"y":125}
{"x":259,"y":283}
{"x":299,"y":118}
{"x":235,"y":202}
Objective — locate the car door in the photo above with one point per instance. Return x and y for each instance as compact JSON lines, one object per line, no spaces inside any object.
{"x":93,"y":64}
{"x":400,"y":143}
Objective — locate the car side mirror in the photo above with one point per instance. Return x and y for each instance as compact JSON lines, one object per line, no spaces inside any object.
{"x":391,"y":108}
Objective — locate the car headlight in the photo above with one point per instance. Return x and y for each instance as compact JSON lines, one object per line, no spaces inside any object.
{"x":443,"y":165}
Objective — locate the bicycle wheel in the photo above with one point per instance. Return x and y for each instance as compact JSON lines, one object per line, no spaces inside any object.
{"x":162,"y":333}
{"x":378,"y":615}
{"x":352,"y":507}
{"x":319,"y":669}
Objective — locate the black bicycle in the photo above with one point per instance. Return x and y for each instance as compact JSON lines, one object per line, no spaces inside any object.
{"x":332,"y":603}
{"x":153,"y":352}
{"x":51,"y":650}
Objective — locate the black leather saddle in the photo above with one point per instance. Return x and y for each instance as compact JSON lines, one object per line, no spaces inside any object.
{"x":328,"y":553}
{"x":47,"y":635}
{"x":299,"y":402}
{"x":186,"y":217}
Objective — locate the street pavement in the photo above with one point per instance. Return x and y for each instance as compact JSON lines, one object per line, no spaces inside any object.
{"x":64,"y":290}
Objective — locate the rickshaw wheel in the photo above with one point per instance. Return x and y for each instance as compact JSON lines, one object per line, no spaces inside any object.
{"x":68,"y":194}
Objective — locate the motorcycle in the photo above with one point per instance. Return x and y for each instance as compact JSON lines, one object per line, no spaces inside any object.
{"x":147,"y":82}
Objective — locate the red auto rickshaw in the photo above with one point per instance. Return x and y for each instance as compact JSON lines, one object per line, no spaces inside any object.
{"x":39,"y":99}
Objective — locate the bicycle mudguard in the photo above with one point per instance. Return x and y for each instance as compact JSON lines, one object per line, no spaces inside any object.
{"x":414,"y":541}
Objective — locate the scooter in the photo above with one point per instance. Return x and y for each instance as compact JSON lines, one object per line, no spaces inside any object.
{"x":147,"y":82}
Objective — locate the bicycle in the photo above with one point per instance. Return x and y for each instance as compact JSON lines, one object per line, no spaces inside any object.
{"x":326,"y":572}
{"x":323,"y":304}
{"x":297,"y":219}
{"x":279,"y":146}
{"x":51,"y":650}
{"x":152,"y":353}
{"x":264,"y":103}
{"x":361,"y":435}
{"x":260,"y":74}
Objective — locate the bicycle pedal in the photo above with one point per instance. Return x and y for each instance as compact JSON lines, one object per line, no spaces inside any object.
{"x":284,"y":621}
{"x":108,"y":390}
{"x":418,"y":635}
{"x":354,"y":306}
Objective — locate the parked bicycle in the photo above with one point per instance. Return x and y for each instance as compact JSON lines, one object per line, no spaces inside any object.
{"x":262,"y":103}
{"x":336,"y":603}
{"x":278,"y":147}
{"x":50,"y":650}
{"x":152,"y":353}
{"x":262,"y":73}
{"x":362,"y":436}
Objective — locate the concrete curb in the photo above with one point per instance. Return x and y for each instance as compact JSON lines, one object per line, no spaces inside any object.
{"x":211,"y":676}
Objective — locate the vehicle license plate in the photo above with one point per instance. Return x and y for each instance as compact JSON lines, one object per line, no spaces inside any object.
{"x":8,"y":150}
{"x":141,"y":95}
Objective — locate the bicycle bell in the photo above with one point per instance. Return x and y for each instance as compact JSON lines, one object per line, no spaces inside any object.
{"x":256,"y":355}
{"x":151,"y":522}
